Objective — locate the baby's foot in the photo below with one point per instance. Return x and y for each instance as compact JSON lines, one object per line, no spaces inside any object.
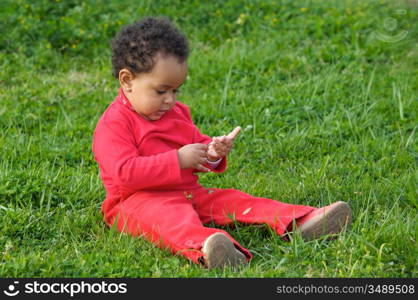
{"x":331,"y":219}
{"x":219,"y":252}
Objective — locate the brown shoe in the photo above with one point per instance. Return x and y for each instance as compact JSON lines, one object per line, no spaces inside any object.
{"x":220,"y":252}
{"x":331,"y":219}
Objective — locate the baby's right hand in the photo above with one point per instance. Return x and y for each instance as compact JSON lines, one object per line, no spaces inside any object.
{"x":193,"y":156}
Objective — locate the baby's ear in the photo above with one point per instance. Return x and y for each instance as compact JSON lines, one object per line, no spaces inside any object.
{"x":125,"y":79}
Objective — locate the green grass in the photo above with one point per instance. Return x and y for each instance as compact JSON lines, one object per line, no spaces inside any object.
{"x":329,"y":113}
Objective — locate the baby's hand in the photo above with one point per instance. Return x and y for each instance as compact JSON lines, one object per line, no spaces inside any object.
{"x":193,"y":156}
{"x":222,"y":145}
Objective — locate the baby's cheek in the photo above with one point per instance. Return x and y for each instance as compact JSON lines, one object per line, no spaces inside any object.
{"x":153,"y":104}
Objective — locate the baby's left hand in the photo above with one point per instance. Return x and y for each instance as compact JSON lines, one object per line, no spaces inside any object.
{"x":222,"y":145}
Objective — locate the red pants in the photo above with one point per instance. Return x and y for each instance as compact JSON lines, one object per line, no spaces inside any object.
{"x":174,"y":219}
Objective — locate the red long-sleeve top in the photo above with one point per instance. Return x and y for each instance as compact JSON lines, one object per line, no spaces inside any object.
{"x":135,"y":154}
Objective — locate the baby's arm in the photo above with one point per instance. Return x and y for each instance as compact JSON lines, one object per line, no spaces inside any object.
{"x":116,"y":152}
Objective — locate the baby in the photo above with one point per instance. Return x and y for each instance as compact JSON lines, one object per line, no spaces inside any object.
{"x":149,"y":152}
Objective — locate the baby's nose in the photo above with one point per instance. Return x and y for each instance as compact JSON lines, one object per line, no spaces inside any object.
{"x":171,"y":97}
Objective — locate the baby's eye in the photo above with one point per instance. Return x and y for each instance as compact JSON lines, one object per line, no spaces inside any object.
{"x":161,"y":92}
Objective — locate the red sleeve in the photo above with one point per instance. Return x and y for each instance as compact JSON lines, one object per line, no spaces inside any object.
{"x":116,"y":152}
{"x":204,"y":139}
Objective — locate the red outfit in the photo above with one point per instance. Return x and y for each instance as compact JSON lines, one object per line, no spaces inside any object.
{"x":148,"y":193}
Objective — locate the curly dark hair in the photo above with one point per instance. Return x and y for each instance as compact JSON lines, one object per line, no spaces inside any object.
{"x":135,"y":45}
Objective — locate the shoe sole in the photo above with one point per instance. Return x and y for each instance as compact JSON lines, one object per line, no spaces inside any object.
{"x":220,"y":252}
{"x":333,"y":221}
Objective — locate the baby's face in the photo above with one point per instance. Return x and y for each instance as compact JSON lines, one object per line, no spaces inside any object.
{"x":154,"y":94}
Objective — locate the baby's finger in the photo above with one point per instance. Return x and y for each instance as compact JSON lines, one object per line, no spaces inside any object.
{"x":219,"y":147}
{"x":202,"y":168}
{"x":222,"y":147}
{"x":203,"y":153}
{"x":233,"y":134}
{"x":202,"y":160}
{"x":215,"y":140}
{"x":200,"y":147}
{"x":228,"y":142}
{"x":224,"y":139}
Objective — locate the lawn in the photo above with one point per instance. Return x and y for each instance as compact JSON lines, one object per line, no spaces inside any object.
{"x":326,"y":94}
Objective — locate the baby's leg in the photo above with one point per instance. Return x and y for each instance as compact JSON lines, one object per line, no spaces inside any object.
{"x":223,"y":206}
{"x":168,"y":219}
